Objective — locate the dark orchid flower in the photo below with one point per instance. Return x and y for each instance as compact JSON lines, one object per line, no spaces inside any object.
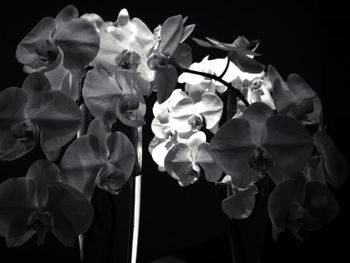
{"x":35,"y":113}
{"x":260,"y":143}
{"x":302,"y":205}
{"x":76,"y":37}
{"x":295,"y":97}
{"x":115,"y":97}
{"x":106,"y":159}
{"x":39,"y":203}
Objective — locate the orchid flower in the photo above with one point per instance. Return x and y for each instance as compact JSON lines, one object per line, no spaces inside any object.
{"x":115,"y":97}
{"x":185,"y":113}
{"x":35,"y":113}
{"x":126,"y":44}
{"x":99,"y":157}
{"x":41,"y":202}
{"x":260,"y":143}
{"x":185,"y":161}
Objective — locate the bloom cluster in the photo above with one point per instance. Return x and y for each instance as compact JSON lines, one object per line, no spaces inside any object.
{"x":230,"y":119}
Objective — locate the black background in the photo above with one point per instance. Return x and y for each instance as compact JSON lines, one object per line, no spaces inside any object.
{"x":306,"y":38}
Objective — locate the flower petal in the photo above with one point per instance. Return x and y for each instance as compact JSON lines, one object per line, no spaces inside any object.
{"x":71,"y":211}
{"x":43,"y":173}
{"x":35,"y":85}
{"x":81,"y":163}
{"x":121,"y":154}
{"x":183,"y":55}
{"x":241,"y":204}
{"x":101,"y":93}
{"x":79,"y":41}
{"x":210,"y":107}
{"x":171,"y":34}
{"x":59,"y":119}
{"x":17,"y":137}
{"x":66,"y":15}
{"x":280,"y":201}
{"x":180,"y":113}
{"x":16,"y":205}
{"x":34,"y":48}
{"x":205,"y":160}
{"x":231,"y":148}
{"x":288,"y":142}
{"x":335,"y":163}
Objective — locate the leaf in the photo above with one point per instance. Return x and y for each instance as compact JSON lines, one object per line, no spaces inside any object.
{"x":71,"y":211}
{"x":288,"y":142}
{"x":101,"y":93}
{"x":171,"y":35}
{"x":59,"y":119}
{"x":79,"y":41}
{"x":231,"y":147}
{"x":15,"y":132}
{"x":245,"y":63}
{"x":183,"y":55}
{"x":37,"y":49}
{"x":335,"y":163}
{"x":16,"y":205}
{"x":66,"y":15}
{"x":165,"y":82}
{"x":241,"y":203}
{"x":81,"y":163}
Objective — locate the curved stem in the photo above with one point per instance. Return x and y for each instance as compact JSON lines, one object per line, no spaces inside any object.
{"x":230,"y":88}
{"x":226,"y":68}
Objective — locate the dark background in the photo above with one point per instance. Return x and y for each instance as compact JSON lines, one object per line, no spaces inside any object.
{"x":306,"y":38}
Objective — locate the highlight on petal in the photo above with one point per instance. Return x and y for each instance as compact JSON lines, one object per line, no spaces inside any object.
{"x":79,"y":41}
{"x":81,"y":162}
{"x":180,"y":114}
{"x":59,"y":119}
{"x":101,"y":93}
{"x":178,"y":164}
{"x":241,"y":203}
{"x":335,"y":163}
{"x":210,"y":107}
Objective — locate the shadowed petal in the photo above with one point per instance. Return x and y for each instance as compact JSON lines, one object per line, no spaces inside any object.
{"x":79,"y":41}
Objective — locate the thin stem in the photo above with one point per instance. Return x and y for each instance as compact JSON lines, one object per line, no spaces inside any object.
{"x":226,"y":68}
{"x":210,"y":76}
{"x":137,"y":193}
